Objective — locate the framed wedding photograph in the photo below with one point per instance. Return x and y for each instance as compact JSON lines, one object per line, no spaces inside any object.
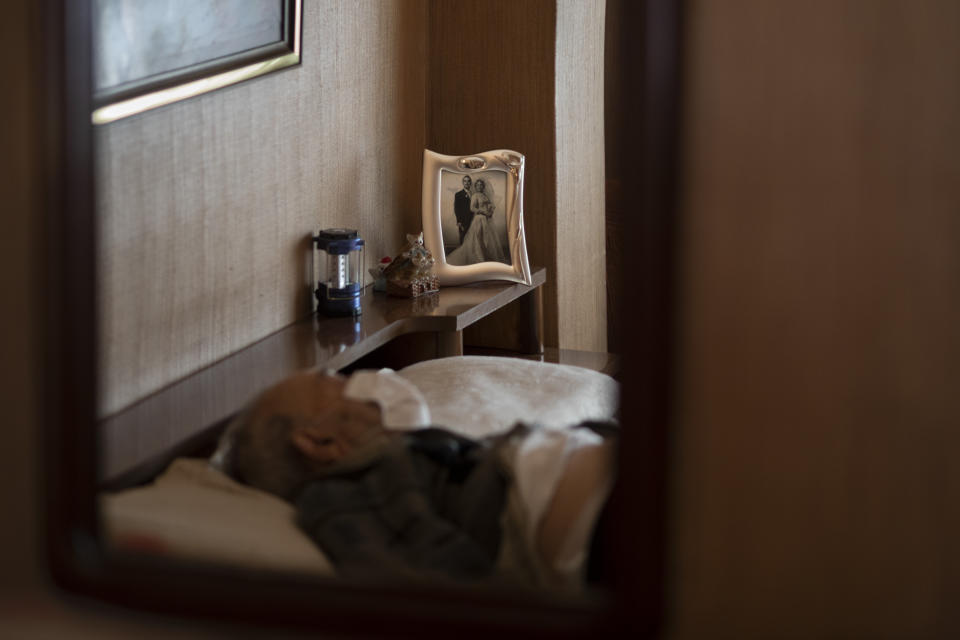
{"x":473,"y":216}
{"x":149,"y":54}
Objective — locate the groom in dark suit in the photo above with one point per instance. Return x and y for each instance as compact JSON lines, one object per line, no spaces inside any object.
{"x":461,"y":207}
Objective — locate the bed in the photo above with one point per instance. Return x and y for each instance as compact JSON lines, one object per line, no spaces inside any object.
{"x":161,"y":496}
{"x":193,"y":511}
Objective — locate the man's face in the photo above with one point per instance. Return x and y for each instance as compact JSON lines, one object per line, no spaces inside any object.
{"x":323,"y":424}
{"x":466,"y":183}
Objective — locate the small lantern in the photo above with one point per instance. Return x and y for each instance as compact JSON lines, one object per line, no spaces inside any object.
{"x":340,"y":281}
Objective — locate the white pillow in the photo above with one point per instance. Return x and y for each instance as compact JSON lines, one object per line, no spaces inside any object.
{"x":480,"y":395}
{"x":401,"y":404}
{"x":194,"y":511}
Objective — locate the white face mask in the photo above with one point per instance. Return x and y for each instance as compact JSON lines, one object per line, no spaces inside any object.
{"x":402,"y":406}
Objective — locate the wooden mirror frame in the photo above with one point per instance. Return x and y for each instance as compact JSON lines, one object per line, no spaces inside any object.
{"x":78,"y":562}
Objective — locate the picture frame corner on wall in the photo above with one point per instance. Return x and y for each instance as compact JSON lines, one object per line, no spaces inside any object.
{"x":150,"y":55}
{"x":473,"y":216}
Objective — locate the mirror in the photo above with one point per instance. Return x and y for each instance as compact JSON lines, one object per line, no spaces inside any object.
{"x":99,"y":234}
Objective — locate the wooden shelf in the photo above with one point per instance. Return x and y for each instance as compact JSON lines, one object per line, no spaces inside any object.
{"x":177,"y":418}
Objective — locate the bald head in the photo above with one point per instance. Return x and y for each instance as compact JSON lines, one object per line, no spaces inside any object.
{"x":301,"y":428}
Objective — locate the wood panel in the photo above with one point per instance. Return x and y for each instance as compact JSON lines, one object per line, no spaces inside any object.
{"x":491,"y":86}
{"x":22,"y":171}
{"x":204,"y":205}
{"x":516,"y":327}
{"x":616,"y":115}
{"x":816,"y":481}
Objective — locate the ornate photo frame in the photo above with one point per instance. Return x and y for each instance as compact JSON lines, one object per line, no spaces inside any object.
{"x":480,"y":231}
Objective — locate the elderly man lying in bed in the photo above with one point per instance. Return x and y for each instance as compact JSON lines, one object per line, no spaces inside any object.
{"x":382,"y":499}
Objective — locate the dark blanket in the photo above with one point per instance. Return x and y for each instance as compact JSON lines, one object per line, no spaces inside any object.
{"x":429,"y":507}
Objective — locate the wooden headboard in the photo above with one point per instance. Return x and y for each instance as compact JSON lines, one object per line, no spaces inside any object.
{"x":186,"y":417}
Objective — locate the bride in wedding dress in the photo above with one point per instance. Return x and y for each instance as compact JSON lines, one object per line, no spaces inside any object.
{"x":481,"y":243}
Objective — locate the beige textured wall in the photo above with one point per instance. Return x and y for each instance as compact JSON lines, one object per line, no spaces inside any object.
{"x":581,"y":258}
{"x":205,"y":205}
{"x":817,"y":488}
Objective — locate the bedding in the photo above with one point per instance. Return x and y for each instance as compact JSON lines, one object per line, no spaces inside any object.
{"x":421,"y":510}
{"x":194,"y":511}
{"x":482,"y":395}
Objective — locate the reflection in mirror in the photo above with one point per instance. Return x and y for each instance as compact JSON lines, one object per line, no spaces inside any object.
{"x":480,"y":470}
{"x":385,"y":495}
{"x":229,"y":459}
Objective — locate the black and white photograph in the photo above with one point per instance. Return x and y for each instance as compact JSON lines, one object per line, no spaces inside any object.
{"x":473,"y":217}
